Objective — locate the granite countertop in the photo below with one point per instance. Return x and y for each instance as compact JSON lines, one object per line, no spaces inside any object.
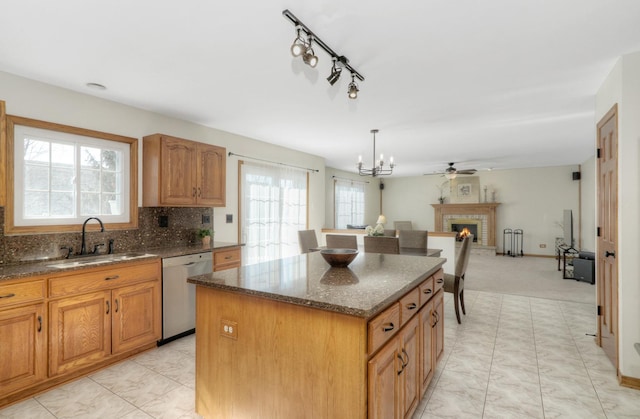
{"x":8,"y":272}
{"x":370,"y":284}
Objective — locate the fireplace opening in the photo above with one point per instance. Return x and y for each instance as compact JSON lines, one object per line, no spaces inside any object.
{"x":462,"y":230}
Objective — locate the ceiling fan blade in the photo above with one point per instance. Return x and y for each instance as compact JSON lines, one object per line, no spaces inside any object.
{"x":466,"y":172}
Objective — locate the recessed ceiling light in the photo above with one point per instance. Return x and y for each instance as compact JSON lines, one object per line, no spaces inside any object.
{"x":96,"y":86}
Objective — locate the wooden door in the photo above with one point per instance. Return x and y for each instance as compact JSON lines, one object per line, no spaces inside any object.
{"x":438,"y":327}
{"x":23,"y":354}
{"x":211,"y":174}
{"x":426,"y":346}
{"x":384,"y":388}
{"x":410,"y":377}
{"x":177,"y":172}
{"x":80,"y":331}
{"x":606,"y":262}
{"x":136,"y":317}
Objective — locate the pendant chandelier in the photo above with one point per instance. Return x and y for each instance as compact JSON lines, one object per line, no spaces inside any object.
{"x":378,"y":168}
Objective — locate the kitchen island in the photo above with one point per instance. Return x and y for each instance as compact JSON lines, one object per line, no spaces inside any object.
{"x":296,"y":338}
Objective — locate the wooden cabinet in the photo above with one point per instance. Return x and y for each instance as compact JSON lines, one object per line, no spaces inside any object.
{"x":23,"y":354}
{"x":400,"y":372}
{"x":101,"y":313}
{"x":178,"y":172}
{"x":227,"y":258}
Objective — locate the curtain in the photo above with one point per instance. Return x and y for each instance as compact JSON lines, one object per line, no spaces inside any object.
{"x":349,"y":203}
{"x":273,"y":208}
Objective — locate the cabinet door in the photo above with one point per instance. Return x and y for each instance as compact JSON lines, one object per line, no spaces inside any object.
{"x":211,"y":174}
{"x":410,"y":377}
{"x":177,"y":172}
{"x":80,"y":331}
{"x":384,"y":382}
{"x":439,"y":327}
{"x":136,"y":315}
{"x":23,"y":352}
{"x":427,"y":322}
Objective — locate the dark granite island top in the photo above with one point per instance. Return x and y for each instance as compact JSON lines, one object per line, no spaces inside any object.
{"x":370,"y":283}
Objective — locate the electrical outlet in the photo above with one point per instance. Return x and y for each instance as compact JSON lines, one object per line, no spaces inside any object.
{"x":229,"y":218}
{"x":163,"y":221}
{"x":229,"y":329}
{"x":206,"y":219}
{"x":543,"y":246}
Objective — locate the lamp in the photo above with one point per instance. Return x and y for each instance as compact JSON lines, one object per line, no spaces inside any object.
{"x":335,"y":73}
{"x":378,"y":168}
{"x":381,"y":219}
{"x":450,"y":175}
{"x":300,"y":47}
{"x":353,"y":90}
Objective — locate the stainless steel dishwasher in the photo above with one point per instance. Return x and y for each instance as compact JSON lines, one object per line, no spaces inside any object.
{"x":178,"y":296}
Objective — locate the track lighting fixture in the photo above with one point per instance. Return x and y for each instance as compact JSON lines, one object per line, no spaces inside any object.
{"x":299,"y":46}
{"x":302,"y":48}
{"x":353,"y":90}
{"x":335,"y":73}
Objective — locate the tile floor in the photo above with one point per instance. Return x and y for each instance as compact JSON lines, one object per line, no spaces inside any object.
{"x":512,"y":357}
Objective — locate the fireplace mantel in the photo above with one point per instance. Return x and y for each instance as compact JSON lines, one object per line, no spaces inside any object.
{"x":487,"y":209}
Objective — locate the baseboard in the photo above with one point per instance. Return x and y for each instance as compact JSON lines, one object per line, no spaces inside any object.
{"x":630,"y":382}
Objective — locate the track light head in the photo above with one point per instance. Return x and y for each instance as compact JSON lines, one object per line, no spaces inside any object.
{"x":353,"y":90}
{"x":299,"y":46}
{"x":309,"y":58}
{"x":335,"y":73}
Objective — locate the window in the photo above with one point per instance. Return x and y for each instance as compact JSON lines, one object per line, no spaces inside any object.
{"x":273,"y":208}
{"x":63,"y":175}
{"x":349,"y":203}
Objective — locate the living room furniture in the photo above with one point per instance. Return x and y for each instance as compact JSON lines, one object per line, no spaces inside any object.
{"x":413,"y":239}
{"x":584,"y":267}
{"x":402,"y":225}
{"x":381,"y":244}
{"x":455,"y":283}
{"x":566,"y":255}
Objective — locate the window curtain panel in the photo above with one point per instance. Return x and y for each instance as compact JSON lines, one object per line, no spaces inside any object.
{"x":274,"y":208}
{"x":349,"y":203}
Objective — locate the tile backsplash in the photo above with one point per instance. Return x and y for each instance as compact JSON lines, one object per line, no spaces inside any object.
{"x":182,"y":230}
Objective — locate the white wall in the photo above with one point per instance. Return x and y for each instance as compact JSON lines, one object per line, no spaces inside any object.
{"x":530,"y":199}
{"x":622,"y":86}
{"x":36,"y":100}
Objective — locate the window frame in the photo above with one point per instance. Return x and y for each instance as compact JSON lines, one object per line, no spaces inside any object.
{"x":336,"y":183}
{"x":12,"y":229}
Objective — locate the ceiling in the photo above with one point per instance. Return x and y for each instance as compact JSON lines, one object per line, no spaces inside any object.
{"x":488,"y":84}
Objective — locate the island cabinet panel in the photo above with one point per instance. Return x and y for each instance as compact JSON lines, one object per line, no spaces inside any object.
{"x":179,"y":172}
{"x":438,"y":327}
{"x":427,"y":342}
{"x":279,"y":360}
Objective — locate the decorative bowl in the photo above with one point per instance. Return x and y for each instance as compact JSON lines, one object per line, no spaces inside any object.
{"x":339,"y":258}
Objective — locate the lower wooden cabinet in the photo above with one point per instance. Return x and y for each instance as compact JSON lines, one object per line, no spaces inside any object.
{"x":135,"y":313}
{"x":23,"y":350}
{"x":438,"y":310}
{"x":227,"y":258}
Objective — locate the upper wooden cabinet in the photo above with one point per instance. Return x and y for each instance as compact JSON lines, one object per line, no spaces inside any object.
{"x":182,"y":173}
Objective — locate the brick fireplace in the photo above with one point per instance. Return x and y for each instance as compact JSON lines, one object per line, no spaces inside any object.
{"x":482,"y":216}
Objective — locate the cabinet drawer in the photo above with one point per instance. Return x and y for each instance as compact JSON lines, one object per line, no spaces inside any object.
{"x":383,"y":327}
{"x":225,"y":259}
{"x":21,"y":292}
{"x":438,"y":281}
{"x":409,"y":305}
{"x":426,"y":290}
{"x":101,"y":279}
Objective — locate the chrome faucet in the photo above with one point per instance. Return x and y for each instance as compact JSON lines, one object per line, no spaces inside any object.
{"x":83,"y":248}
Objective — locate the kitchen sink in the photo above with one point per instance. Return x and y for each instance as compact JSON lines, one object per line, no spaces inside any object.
{"x":96,"y":260}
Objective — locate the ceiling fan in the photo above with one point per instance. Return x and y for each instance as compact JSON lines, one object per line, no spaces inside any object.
{"x":451,"y":172}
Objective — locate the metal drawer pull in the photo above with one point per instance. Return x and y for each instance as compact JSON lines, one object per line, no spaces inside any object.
{"x":39,"y":323}
{"x":388,"y":328}
{"x":402,"y":363}
{"x":427,"y":291}
{"x":228,"y":257}
{"x":108,"y":307}
{"x":412,"y":306}
{"x":440,"y":280}
{"x":109,"y":278}
{"x":117,"y":305}
{"x":8,"y":295}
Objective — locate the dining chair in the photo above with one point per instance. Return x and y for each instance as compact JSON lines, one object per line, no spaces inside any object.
{"x":402,"y":225}
{"x":307,"y":240}
{"x":341,"y":241}
{"x":381,"y":244}
{"x":390,"y":232}
{"x":413,"y":240}
{"x":455,"y":283}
